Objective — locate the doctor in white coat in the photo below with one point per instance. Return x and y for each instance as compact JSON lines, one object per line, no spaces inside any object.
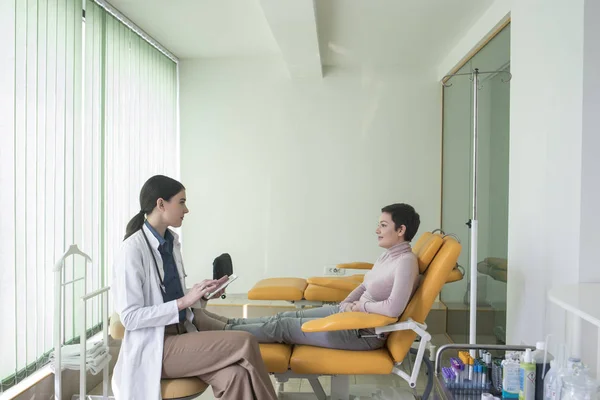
{"x":163,"y":336}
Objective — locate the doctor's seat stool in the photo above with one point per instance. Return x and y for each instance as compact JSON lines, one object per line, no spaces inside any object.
{"x":171,"y":389}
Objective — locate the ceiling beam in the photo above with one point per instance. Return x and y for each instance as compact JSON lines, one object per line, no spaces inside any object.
{"x":294,"y":26}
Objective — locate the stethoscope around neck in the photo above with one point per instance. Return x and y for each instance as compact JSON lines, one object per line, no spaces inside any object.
{"x":162,"y":283}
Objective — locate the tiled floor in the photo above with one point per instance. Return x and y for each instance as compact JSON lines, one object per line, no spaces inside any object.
{"x":360,"y":385}
{"x":300,"y":389}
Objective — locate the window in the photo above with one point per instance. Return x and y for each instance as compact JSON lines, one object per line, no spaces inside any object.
{"x":88,"y":111}
{"x":140,"y":125}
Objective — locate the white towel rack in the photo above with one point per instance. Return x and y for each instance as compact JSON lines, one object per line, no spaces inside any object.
{"x":59,"y":287}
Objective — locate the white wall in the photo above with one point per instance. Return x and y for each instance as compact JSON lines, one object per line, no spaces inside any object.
{"x":289,"y":176}
{"x":590,"y":165}
{"x":590,"y":189}
{"x":545,"y":161}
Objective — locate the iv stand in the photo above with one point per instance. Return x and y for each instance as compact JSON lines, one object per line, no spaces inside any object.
{"x":473,"y":222}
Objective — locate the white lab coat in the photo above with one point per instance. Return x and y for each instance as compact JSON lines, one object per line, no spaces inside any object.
{"x":139,"y":302}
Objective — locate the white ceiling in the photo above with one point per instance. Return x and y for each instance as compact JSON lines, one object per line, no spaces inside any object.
{"x":393,"y":32}
{"x":308,"y":33}
{"x":203,"y":28}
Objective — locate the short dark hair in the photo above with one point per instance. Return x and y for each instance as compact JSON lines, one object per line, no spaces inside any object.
{"x":404,"y":214}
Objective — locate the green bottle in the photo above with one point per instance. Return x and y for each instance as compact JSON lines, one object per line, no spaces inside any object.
{"x":527,"y":377}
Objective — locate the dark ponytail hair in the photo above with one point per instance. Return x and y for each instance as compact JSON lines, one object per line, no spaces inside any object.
{"x":157,"y":187}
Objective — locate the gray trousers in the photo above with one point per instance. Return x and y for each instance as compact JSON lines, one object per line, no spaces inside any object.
{"x":286,"y":327}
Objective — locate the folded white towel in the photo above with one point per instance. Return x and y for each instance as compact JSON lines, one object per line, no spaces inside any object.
{"x":75,"y":350}
{"x":96,"y":357}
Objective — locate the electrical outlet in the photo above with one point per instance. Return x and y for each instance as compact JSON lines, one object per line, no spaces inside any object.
{"x":333,"y":270}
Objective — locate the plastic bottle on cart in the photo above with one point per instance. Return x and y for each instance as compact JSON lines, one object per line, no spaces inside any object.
{"x":488,"y":362}
{"x":579,"y":386}
{"x":550,"y":381}
{"x":542,"y":360}
{"x":564,"y":372}
{"x":527,"y":377}
{"x":510,"y":377}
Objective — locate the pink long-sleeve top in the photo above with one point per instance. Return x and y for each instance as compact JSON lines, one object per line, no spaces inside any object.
{"x":389,"y":285}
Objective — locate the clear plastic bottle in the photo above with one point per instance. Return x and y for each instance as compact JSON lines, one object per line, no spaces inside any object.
{"x":579,"y":386}
{"x":541,"y":358}
{"x":564,"y":372}
{"x":550,"y":382}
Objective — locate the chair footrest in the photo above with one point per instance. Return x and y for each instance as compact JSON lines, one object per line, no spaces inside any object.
{"x":318,"y":360}
{"x":302,"y":359}
{"x":276,"y":356}
{"x":289,"y":289}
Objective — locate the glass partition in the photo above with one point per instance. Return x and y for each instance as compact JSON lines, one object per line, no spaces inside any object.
{"x":493,"y":151}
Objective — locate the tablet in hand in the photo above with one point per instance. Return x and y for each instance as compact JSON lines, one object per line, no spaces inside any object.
{"x":232,"y":278}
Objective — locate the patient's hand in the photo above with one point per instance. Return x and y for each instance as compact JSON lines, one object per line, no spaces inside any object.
{"x":350,"y":307}
{"x":355,"y":307}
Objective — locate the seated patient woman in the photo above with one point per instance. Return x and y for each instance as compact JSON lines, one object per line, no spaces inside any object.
{"x":386,"y":289}
{"x":163,"y":336}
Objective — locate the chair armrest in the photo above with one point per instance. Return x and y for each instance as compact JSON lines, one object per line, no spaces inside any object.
{"x":347,"y":320}
{"x":408,"y":325}
{"x":498,"y":273}
{"x":356,"y":277}
{"x":454,"y":276}
{"x":498,"y":263}
{"x":356,"y":265}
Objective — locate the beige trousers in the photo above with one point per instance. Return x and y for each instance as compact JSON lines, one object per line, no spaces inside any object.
{"x":207,"y":321}
{"x":230,"y":362}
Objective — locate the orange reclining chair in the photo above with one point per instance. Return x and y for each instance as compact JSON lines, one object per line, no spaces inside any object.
{"x":320,"y":290}
{"x":310,"y":362}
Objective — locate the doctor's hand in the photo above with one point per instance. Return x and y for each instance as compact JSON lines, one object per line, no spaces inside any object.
{"x":196,"y":293}
{"x":221,"y":281}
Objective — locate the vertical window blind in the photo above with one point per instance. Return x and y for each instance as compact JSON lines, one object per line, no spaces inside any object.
{"x":141,"y":122}
{"x":88,"y":111}
{"x":41,"y":117}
